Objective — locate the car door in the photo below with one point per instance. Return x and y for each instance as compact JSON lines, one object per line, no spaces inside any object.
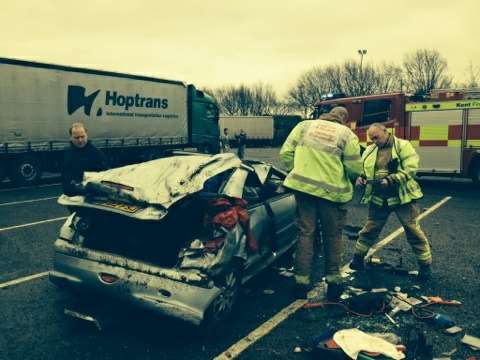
{"x":281,"y":205}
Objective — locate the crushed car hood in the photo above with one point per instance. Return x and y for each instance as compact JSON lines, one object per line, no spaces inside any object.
{"x":157,"y":183}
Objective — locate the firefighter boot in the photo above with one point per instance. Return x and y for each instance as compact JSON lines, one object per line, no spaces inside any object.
{"x":357,"y":263}
{"x":425,"y":273}
{"x":300,"y":291}
{"x":334,"y":291}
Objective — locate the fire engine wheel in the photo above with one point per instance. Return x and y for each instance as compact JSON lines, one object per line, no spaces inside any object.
{"x":476,"y":173}
{"x":25,"y":171}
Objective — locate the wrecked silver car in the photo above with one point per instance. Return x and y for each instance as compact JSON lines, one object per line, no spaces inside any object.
{"x":177,"y":235}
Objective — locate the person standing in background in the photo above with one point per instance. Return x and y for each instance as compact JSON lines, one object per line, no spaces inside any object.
{"x":242,"y":143}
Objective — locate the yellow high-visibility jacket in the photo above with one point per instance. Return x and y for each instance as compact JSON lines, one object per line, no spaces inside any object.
{"x":407,"y":165}
{"x":322,"y":157}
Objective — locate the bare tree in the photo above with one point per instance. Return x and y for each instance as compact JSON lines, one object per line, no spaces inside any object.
{"x":426,"y":70}
{"x":264,"y":99}
{"x":260,"y":99}
{"x":472,"y":78}
{"x":389,"y":78}
{"x":310,"y":88}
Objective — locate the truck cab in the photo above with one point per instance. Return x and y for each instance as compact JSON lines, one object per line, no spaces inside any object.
{"x":204,"y":118}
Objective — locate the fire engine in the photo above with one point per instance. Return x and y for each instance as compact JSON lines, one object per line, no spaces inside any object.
{"x":443,"y":127}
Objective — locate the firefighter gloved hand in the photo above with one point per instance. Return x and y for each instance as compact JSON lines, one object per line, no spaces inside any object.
{"x":361,"y":181}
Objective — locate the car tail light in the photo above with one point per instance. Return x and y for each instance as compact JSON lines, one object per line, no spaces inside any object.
{"x":108,"y":278}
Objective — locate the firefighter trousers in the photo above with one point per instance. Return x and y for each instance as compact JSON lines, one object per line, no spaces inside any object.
{"x":406,"y":214}
{"x":311,"y":210}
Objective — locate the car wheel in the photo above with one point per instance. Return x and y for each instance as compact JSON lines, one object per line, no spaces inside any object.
{"x":221,"y":307}
{"x":25,"y":171}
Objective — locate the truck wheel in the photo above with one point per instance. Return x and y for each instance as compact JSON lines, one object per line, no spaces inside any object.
{"x":205,"y":149}
{"x":3,"y":171}
{"x":25,"y":171}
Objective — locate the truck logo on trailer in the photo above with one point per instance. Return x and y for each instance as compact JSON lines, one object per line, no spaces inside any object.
{"x":77,"y":99}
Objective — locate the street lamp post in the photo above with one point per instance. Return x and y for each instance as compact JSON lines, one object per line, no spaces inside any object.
{"x":361,"y":52}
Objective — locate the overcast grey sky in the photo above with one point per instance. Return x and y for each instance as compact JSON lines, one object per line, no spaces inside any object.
{"x":214,"y":42}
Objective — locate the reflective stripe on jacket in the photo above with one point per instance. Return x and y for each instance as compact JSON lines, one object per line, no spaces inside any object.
{"x":322,"y":157}
{"x":407,"y":158}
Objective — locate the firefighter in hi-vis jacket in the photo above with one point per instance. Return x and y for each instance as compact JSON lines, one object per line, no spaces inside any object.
{"x":389,"y":165}
{"x":323,"y":157}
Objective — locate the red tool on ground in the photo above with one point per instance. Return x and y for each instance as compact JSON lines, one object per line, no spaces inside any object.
{"x":441,"y":301}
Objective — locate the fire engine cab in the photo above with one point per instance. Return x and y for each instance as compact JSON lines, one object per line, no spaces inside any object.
{"x":444,"y":127}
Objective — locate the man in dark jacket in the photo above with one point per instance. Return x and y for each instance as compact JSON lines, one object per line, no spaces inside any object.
{"x":242,"y":143}
{"x":81,"y":156}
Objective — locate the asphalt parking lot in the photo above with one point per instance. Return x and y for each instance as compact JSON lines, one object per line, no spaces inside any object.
{"x":33,"y":326}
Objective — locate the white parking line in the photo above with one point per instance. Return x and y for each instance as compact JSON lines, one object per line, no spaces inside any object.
{"x":32,"y":224}
{"x":28,"y":201}
{"x":29,"y":187}
{"x":400,"y":230}
{"x":236,"y":349}
{"x":23,"y":279}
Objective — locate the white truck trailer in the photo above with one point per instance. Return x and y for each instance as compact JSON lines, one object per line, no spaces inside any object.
{"x":130,"y":117}
{"x":261,"y":130}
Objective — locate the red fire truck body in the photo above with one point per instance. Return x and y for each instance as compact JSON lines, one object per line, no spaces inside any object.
{"x":444,"y":129}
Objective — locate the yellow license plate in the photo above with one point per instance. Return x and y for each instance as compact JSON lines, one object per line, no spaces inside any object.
{"x":119,"y":206}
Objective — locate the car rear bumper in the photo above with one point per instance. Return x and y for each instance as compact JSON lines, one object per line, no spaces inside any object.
{"x":162,"y":295}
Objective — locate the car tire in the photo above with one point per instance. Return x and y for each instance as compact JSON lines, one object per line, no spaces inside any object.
{"x":26,"y":170}
{"x":221,"y":307}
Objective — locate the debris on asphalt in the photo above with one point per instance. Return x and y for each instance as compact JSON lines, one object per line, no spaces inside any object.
{"x":453,"y":330}
{"x":354,"y":341}
{"x":297,"y":349}
{"x":440,"y":301}
{"x":286,"y":273}
{"x":389,"y":336}
{"x":391,"y":320}
{"x":449,"y":353}
{"x":379,"y":290}
{"x":413,"y":301}
{"x":441,"y":321}
{"x":472,"y":341}
{"x":81,"y":316}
